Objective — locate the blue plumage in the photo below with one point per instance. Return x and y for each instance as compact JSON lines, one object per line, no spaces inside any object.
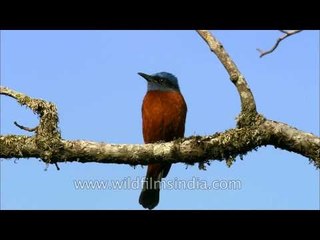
{"x":162,"y":81}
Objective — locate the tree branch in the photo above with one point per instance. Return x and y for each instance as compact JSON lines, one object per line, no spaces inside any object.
{"x":248,"y":115}
{"x":219,"y":146}
{"x":47,"y":135}
{"x":286,"y":34}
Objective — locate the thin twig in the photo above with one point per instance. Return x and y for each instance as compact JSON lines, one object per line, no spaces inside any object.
{"x":56,"y":164}
{"x":286,"y":34}
{"x":25,"y":128}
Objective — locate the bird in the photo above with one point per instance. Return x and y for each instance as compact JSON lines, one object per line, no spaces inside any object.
{"x":164,"y":112}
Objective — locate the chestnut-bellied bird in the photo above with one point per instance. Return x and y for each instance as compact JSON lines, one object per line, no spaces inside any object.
{"x":164,"y":113}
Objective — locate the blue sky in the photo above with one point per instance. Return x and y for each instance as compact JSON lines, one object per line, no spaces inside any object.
{"x":92,"y":78}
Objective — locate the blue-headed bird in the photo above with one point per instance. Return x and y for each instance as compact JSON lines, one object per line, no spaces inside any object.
{"x":164,"y":113}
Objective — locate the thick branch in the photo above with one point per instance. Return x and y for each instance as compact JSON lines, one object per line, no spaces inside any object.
{"x":220,"y":146}
{"x":248,"y":106}
{"x":286,"y":34}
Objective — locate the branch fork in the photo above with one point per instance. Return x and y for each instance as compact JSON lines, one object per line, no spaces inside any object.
{"x":287,"y":33}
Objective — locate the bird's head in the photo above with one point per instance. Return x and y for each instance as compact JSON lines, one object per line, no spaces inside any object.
{"x":161,"y":81}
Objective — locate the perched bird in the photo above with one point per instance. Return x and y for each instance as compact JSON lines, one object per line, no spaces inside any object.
{"x":164,"y":113}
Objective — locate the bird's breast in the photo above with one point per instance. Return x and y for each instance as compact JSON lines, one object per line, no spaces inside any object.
{"x":163,"y":116}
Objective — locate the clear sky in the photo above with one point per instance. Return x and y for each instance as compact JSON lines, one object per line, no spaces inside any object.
{"x":92,"y":78}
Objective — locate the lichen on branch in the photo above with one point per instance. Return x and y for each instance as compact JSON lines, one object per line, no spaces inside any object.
{"x":47,"y":134}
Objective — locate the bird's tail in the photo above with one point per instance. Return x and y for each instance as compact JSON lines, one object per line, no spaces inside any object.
{"x":149,"y":197}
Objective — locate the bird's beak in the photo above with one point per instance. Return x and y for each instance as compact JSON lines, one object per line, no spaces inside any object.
{"x":146,"y":77}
